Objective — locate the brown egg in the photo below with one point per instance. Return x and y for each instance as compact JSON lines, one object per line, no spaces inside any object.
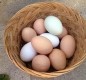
{"x":64,"y":33}
{"x":68,"y":45}
{"x":28,"y":34}
{"x":58,"y":59}
{"x":42,"y":45}
{"x":39,"y":26}
{"x":41,"y":63}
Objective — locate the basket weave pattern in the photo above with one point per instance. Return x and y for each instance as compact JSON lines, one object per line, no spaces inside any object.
{"x":74,"y":23}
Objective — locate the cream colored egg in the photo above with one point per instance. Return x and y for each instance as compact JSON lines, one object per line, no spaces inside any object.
{"x":39,"y":26}
{"x":64,"y":33}
{"x":68,"y":45}
{"x":58,"y":59}
{"x":41,"y":63}
{"x":42,"y":45}
{"x":28,"y":33}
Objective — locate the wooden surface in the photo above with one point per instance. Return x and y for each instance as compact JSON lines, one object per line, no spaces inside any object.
{"x":7,"y":9}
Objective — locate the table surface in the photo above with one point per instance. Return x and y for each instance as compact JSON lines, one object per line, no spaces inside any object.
{"x":7,"y":9}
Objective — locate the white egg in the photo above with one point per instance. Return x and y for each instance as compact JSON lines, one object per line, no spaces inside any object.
{"x":53,"y":25}
{"x":53,"y":39}
{"x":27,"y":52}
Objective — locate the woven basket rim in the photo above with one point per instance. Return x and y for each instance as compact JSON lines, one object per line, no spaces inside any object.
{"x":35,"y":73}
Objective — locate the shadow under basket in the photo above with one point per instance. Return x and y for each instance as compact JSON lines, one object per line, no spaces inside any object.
{"x":74,"y":23}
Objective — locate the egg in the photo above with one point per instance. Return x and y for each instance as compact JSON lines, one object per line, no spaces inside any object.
{"x":28,"y":33}
{"x":39,"y":26}
{"x":41,"y":63}
{"x":68,"y":45}
{"x":27,"y":52}
{"x":64,"y":33}
{"x":53,"y":39}
{"x":53,"y":25}
{"x":42,"y":45}
{"x":57,"y":59}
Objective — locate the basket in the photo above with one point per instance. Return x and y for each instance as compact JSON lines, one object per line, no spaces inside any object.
{"x":73,"y":21}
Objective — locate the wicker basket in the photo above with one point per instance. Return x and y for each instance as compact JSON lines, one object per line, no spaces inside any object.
{"x":25,"y":17}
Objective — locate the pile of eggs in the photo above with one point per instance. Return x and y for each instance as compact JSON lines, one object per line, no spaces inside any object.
{"x":48,"y":44}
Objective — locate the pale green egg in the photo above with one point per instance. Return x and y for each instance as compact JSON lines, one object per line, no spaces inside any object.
{"x":53,"y":25}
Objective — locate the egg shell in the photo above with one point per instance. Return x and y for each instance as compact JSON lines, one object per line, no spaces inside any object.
{"x":64,"y":33}
{"x":58,"y":59}
{"x":68,"y":45}
{"x":41,"y":63}
{"x":27,"y":52}
{"x":28,"y":33}
{"x":42,"y":45}
{"x":53,"y":39}
{"x":53,"y":25}
{"x":39,"y":26}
